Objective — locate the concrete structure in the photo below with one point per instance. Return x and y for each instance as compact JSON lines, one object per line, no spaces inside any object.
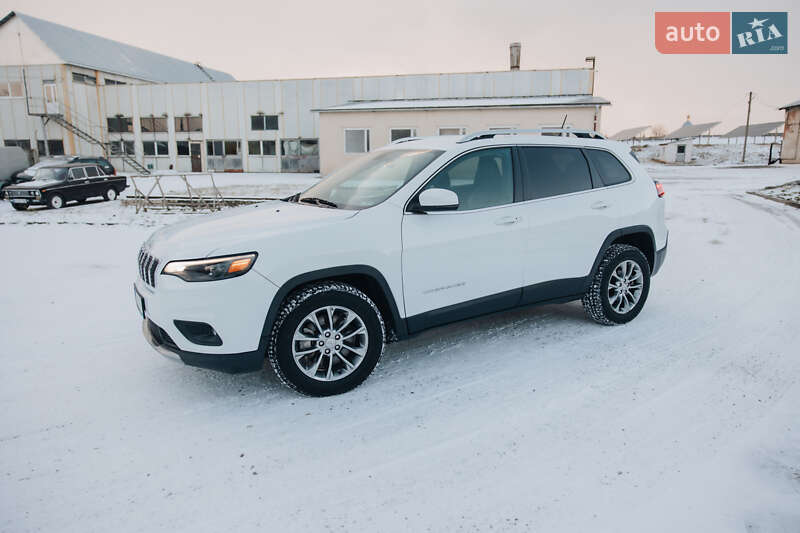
{"x":790,"y":149}
{"x":680,"y":151}
{"x":60,"y":92}
{"x":354,"y":128}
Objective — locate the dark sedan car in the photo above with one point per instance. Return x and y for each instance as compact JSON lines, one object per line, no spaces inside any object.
{"x":55,"y":186}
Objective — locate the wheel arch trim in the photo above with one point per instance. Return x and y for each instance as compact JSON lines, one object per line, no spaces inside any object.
{"x":398,"y":323}
{"x":613,"y":236}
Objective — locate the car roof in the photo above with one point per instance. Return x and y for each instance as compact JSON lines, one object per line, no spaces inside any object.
{"x":72,"y":165}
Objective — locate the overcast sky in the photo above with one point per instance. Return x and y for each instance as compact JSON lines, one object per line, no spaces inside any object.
{"x":265,"y":40}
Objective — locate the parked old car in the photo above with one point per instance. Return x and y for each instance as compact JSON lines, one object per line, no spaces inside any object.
{"x":56,"y":185}
{"x":58,"y":160}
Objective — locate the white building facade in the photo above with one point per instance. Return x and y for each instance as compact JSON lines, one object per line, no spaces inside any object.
{"x":63,"y":99}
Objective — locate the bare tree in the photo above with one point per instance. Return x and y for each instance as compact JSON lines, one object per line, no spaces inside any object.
{"x":658,"y":130}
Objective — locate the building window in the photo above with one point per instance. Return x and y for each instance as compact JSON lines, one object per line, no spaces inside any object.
{"x":269,"y":147}
{"x":155,"y":148}
{"x":120,"y":124}
{"x":300,"y":147}
{"x":109,"y":81}
{"x":78,"y":77}
{"x":122,"y":147}
{"x":10,"y":89}
{"x":223,"y":147}
{"x":356,"y":141}
{"x":183,"y":147}
{"x":55,"y":147}
{"x":154,"y":124}
{"x":231,"y":147}
{"x":263,"y":122}
{"x":261,"y":147}
{"x":452,"y":131}
{"x":402,"y":133}
{"x":189,"y":123}
{"x":25,"y":144}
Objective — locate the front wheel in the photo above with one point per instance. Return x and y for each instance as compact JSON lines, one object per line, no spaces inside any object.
{"x":56,"y":201}
{"x":20,"y":207}
{"x":327,"y":339}
{"x":620,"y":286}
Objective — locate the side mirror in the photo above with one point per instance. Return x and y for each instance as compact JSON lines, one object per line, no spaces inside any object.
{"x":438,"y":200}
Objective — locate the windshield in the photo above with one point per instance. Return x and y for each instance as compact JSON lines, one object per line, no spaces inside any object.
{"x":50,"y":174}
{"x":369,"y":180}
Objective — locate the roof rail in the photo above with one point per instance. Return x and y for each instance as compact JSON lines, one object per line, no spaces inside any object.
{"x":560,"y":132}
{"x":406,"y":139}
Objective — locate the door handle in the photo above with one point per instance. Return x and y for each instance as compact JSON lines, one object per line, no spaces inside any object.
{"x":507,"y":221}
{"x":599,"y":205}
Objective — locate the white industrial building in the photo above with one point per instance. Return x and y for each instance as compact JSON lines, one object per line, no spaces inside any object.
{"x":62,"y":90}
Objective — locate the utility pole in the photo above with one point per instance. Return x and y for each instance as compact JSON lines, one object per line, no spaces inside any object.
{"x":747,"y":124}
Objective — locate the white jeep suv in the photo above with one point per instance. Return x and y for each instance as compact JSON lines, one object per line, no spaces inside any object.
{"x":419,"y":233}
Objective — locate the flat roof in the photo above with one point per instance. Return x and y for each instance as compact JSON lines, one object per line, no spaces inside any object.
{"x":461,"y":103}
{"x":755,"y":130}
{"x":630,"y":133}
{"x":691,"y":130}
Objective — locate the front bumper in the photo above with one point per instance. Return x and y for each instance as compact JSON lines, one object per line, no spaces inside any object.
{"x":236,"y":309}
{"x":237,"y":363}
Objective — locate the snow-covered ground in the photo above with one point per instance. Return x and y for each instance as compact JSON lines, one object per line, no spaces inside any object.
{"x":717,"y":154}
{"x":686,"y":419}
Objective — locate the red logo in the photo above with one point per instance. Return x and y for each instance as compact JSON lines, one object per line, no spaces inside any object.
{"x":693,"y":32}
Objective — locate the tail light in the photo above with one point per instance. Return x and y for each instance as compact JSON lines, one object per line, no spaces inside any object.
{"x":659,"y":188}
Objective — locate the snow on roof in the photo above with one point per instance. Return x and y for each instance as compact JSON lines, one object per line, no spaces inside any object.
{"x":754,"y":130}
{"x":455,"y":103}
{"x":630,"y":133}
{"x":83,"y":49}
{"x":796,"y":103}
{"x":692,"y":130}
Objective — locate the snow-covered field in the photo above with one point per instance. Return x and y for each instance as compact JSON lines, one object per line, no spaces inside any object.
{"x":716,"y":153}
{"x":685,"y":419}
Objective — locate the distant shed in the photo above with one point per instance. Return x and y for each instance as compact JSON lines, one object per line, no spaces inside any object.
{"x":790,"y":150}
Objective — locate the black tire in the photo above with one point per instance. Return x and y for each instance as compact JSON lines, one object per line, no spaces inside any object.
{"x":596,"y":301}
{"x":56,"y":201}
{"x":20,"y":207}
{"x":111,"y":194}
{"x":295,"y":308}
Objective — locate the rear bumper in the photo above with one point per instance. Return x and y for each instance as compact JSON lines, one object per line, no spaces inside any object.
{"x":235,"y":363}
{"x":661,"y":255}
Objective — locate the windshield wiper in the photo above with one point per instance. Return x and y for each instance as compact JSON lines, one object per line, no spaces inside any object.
{"x":318,"y":201}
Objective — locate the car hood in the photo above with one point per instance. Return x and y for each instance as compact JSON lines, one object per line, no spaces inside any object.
{"x":35,"y":184}
{"x":237,"y":230}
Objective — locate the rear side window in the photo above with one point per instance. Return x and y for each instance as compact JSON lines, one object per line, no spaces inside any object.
{"x":611,"y":171}
{"x":91,"y":171}
{"x":78,"y":173}
{"x":552,"y":171}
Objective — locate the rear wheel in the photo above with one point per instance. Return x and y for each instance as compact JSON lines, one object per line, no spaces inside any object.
{"x":327,"y":339}
{"x":56,"y":201}
{"x":620,"y":287}
{"x":111,"y":194}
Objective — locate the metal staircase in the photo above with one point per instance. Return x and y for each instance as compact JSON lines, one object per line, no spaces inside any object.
{"x":46,"y":114}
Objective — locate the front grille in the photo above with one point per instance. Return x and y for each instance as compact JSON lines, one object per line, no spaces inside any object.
{"x":21,"y":194}
{"x":147,"y":267}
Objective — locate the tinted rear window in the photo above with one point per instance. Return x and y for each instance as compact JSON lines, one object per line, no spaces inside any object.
{"x":611,"y":171}
{"x":551,"y":171}
{"x":91,"y":171}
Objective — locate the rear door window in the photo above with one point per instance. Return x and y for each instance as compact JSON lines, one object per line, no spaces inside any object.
{"x":552,"y":171}
{"x":609,"y":168}
{"x":77,"y":173}
{"x":91,"y":172}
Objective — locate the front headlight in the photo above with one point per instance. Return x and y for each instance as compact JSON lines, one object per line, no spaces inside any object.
{"x":211,"y":269}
